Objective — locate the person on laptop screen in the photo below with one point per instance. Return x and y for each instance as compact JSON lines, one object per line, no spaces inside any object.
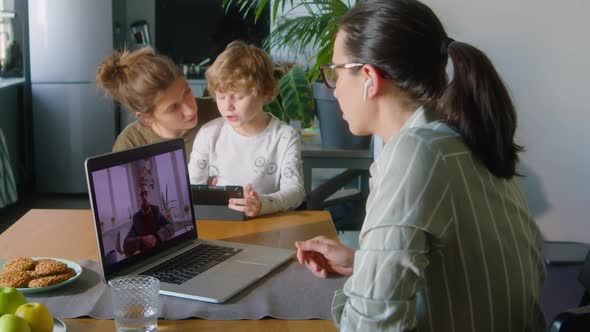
{"x":247,"y":146}
{"x":154,"y":89}
{"x":150,"y":227}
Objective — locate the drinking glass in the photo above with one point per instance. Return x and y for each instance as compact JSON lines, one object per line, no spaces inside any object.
{"x":136,"y":303}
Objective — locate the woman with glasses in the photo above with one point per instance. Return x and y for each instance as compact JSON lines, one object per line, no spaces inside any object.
{"x":448,"y":243}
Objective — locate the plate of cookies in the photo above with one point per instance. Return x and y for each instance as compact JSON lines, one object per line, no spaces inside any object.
{"x":38,"y":274}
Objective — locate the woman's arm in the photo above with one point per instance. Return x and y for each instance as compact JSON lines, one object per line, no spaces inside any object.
{"x":410,"y":198}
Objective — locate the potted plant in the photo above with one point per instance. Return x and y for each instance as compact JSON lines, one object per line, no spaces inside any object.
{"x":294,"y":103}
{"x":310,"y":26}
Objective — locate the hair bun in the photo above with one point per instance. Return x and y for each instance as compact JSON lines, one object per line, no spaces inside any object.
{"x":112,"y":72}
{"x":135,"y":78}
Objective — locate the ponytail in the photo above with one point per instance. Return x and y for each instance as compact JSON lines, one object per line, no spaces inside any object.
{"x":477,"y":104}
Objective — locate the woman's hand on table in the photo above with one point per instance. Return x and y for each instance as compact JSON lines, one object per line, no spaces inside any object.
{"x":322,"y":256}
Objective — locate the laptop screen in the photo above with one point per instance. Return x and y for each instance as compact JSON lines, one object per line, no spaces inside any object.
{"x":141,"y":203}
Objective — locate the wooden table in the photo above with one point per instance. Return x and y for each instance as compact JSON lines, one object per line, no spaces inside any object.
{"x":69,"y":234}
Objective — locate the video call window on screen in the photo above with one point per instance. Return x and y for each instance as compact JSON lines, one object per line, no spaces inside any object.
{"x":142,"y":204}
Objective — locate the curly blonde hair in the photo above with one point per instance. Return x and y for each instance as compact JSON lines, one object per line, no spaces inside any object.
{"x":137,"y":79}
{"x":242,"y":66}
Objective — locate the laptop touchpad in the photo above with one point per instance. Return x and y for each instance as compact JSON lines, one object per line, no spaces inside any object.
{"x":240,"y":269}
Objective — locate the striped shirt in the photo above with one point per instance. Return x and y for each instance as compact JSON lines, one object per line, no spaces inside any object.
{"x":445,"y":245}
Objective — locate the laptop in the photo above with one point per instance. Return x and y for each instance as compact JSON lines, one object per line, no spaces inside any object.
{"x":145,"y":224}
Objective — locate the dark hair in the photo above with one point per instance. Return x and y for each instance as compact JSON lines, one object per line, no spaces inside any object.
{"x":408,"y":43}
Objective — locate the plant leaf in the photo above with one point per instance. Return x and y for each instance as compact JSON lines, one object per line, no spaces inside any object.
{"x":275,"y":108}
{"x":297,"y":96}
{"x":260,"y":9}
{"x":314,"y":30}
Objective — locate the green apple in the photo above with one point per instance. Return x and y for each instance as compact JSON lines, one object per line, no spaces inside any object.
{"x":37,"y":315}
{"x":13,"y":323}
{"x":10,"y":299}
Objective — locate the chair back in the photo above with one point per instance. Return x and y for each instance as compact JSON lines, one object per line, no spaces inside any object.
{"x":573,"y":320}
{"x":584,"y":279}
{"x":577,"y":319}
{"x":207,"y":110}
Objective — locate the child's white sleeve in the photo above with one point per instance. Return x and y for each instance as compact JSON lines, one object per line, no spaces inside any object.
{"x":198,"y":166}
{"x":291,"y":192}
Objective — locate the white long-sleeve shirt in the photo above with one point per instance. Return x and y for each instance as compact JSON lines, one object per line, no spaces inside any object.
{"x":270,"y":161}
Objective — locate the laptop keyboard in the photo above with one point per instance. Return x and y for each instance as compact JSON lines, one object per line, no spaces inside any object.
{"x":191,"y":263}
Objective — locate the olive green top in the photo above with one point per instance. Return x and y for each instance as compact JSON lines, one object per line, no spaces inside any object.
{"x":445,"y":245}
{"x":137,"y":134}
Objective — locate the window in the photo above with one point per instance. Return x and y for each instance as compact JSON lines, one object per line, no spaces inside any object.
{"x":11,"y":39}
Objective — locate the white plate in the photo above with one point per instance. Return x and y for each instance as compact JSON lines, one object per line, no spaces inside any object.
{"x":75,"y":266}
{"x":58,"y":325}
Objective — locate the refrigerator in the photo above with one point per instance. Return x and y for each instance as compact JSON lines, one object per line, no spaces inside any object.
{"x":72,"y":117}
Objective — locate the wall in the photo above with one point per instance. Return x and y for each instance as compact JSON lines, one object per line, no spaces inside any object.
{"x":541,"y":49}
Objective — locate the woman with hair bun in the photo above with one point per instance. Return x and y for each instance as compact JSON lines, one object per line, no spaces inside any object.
{"x":153,"y":88}
{"x":448,"y":242}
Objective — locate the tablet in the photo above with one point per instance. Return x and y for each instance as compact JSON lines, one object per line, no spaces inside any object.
{"x":210,"y":202}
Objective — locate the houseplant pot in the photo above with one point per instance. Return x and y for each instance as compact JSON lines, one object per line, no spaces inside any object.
{"x":333,"y":129}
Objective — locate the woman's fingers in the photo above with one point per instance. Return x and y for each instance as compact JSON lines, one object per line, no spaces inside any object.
{"x":320,"y":244}
{"x":300,"y":256}
{"x":316,"y":268}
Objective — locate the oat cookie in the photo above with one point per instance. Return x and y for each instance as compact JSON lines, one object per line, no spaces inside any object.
{"x":16,"y":279}
{"x":19,"y":264}
{"x":69,"y":273}
{"x":47,"y":267}
{"x":50,"y":280}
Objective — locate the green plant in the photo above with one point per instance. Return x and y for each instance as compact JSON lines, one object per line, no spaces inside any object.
{"x":313,"y":28}
{"x":295,"y":99}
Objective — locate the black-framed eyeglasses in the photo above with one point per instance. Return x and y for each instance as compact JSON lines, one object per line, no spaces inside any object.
{"x":330,"y":75}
